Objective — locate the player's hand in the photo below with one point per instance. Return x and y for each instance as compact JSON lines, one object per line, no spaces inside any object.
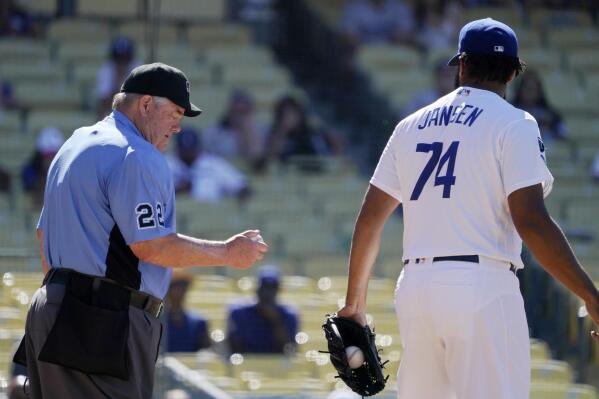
{"x":244,"y":249}
{"x":351,"y":312}
{"x":593,"y":310}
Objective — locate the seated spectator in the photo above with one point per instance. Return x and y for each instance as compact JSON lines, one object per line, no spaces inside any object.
{"x":595,"y":168}
{"x":113,"y":72}
{"x":34,"y":172}
{"x":530,"y":97}
{"x":237,"y":135}
{"x":15,"y":21}
{"x":185,"y":330}
{"x":438,"y":22}
{"x":293,"y":134}
{"x":377,"y":21}
{"x":265,"y":326}
{"x":444,"y":83}
{"x":5,"y":181}
{"x":207,"y":177}
{"x":7,"y":98}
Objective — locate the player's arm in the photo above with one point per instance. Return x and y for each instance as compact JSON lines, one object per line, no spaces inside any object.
{"x":39,"y":233}
{"x":550,"y":247}
{"x":366,"y":241}
{"x":178,"y":250}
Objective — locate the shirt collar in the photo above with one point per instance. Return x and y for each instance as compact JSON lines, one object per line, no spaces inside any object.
{"x":125,"y":123}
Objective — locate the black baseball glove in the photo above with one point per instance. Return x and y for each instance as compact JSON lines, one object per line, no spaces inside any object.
{"x":342,"y":332}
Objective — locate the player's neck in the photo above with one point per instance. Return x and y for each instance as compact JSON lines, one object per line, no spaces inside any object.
{"x":495,"y":87}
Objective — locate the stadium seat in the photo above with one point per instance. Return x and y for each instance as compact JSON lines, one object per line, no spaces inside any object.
{"x":555,"y":19}
{"x":325,"y":266}
{"x":10,"y":122}
{"x":48,"y":95}
{"x":574,"y":38}
{"x":272,"y":366}
{"x":583,"y":213}
{"x":330,"y":11}
{"x":138,"y":32}
{"x":83,"y":52}
{"x":18,"y":71}
{"x":193,"y":11}
{"x":218,"y":36}
{"x":561,"y":391}
{"x":66,"y":121}
{"x":246,"y":55}
{"x":118,"y":9}
{"x":551,"y":371}
{"x":45,"y":8}
{"x":584,"y":61}
{"x":539,"y":350}
{"x":25,"y":50}
{"x":509,"y":14}
{"x":388,"y":58}
{"x":78,"y":30}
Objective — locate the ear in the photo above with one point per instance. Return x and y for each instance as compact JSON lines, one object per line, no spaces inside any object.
{"x":512,"y":76}
{"x":144,"y":105}
{"x":461,"y":68}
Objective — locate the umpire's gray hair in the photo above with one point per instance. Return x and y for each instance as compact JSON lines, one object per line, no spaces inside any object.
{"x":121,"y":100}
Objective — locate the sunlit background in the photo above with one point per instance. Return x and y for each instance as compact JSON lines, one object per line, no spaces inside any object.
{"x":299,"y":98}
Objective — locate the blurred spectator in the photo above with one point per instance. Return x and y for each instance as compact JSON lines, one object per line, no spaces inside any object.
{"x":438,"y":22}
{"x":34,"y":172}
{"x":237,"y":135}
{"x":292,"y":133}
{"x":185,"y":331}
{"x":7,"y":99}
{"x":595,"y":168}
{"x":265,"y":326}
{"x":113,"y":72}
{"x":15,"y":21}
{"x":530,"y":96}
{"x":5,"y":180}
{"x":207,"y":177}
{"x":377,"y":21}
{"x":444,"y":76}
{"x":258,"y":14}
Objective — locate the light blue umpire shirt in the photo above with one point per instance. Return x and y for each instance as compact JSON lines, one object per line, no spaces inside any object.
{"x":108,"y":188}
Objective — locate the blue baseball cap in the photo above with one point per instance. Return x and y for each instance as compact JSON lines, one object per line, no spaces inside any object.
{"x":486,"y":37}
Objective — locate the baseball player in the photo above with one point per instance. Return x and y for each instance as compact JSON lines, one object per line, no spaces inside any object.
{"x":108,"y":238}
{"x":470,"y":171}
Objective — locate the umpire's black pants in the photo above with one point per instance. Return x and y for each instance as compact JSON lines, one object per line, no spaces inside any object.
{"x":50,"y":381}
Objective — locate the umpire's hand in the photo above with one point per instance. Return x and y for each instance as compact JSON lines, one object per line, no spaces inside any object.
{"x":244,"y":249}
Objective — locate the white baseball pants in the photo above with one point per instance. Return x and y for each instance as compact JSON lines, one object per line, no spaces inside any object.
{"x":463,"y":331}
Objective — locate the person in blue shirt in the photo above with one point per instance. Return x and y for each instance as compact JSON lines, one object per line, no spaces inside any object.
{"x":186,"y":331}
{"x":108,"y":241}
{"x":265,"y":326}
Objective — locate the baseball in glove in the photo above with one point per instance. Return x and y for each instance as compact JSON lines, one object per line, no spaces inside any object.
{"x":341,"y":333}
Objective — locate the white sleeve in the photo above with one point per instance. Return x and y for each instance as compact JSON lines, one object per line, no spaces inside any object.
{"x":523,"y":162}
{"x":386,"y":176}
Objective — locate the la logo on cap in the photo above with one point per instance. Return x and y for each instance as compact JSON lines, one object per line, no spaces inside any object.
{"x":498,"y":49}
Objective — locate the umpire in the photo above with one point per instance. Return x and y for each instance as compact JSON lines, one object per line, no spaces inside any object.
{"x":108,"y":240}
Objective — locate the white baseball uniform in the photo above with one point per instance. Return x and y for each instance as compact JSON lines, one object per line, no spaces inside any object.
{"x":453,"y":164}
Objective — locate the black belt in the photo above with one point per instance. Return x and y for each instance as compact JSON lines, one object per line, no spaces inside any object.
{"x":458,"y":258}
{"x":140,"y":300}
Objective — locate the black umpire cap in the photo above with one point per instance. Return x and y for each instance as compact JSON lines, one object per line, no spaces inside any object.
{"x":161,"y":80}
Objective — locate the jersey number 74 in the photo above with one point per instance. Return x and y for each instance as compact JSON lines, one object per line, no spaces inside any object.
{"x":437,"y":160}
